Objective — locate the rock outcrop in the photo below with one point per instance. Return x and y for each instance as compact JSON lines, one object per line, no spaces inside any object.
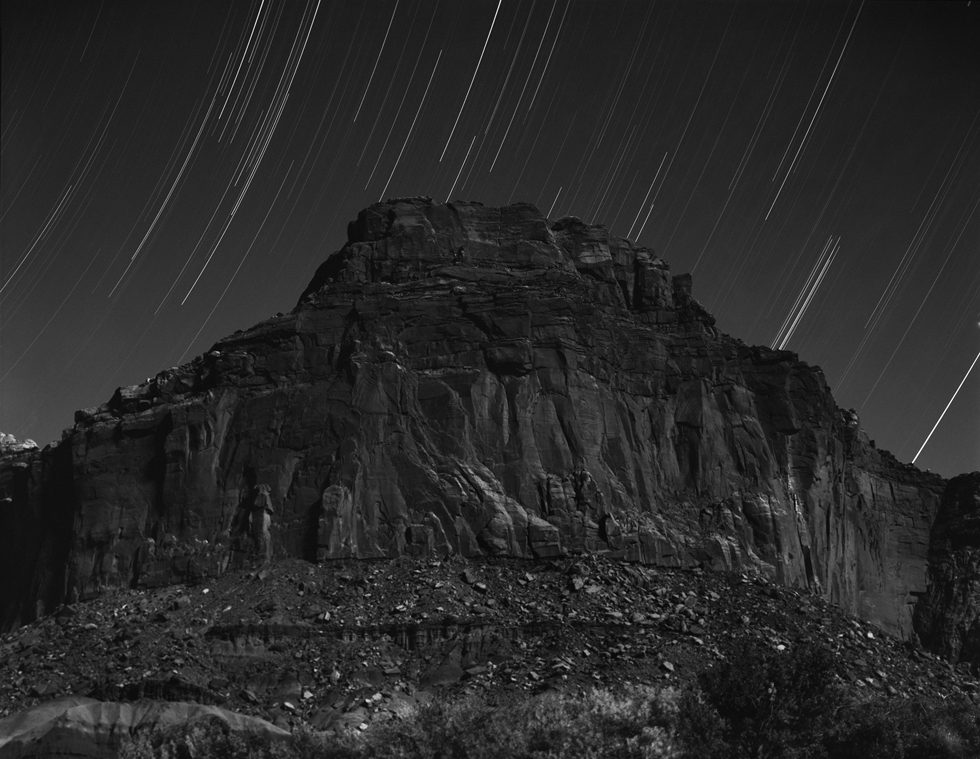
{"x":460,"y":379}
{"x":947,"y":616}
{"x":10,"y":444}
{"x":82,"y":728}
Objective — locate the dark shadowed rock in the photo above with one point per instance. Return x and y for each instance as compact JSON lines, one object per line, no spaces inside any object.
{"x":460,"y":379}
{"x":947,"y":616}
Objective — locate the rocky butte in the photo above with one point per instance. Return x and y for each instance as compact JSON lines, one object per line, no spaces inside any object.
{"x":460,"y":379}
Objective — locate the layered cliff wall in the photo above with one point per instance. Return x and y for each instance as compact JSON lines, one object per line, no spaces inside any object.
{"x":460,"y":379}
{"x":947,"y":616}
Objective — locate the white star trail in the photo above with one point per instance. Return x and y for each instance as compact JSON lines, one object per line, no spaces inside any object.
{"x":472,"y":79}
{"x":401,"y":103}
{"x":268,"y":129}
{"x":412,"y":127}
{"x":816,"y":111}
{"x":951,"y":399}
{"x":510,"y":69}
{"x":238,"y":268}
{"x":166,"y":200}
{"x":643,"y":202}
{"x":391,"y":83}
{"x":376,"y":60}
{"x":805,"y":296}
{"x":520,"y":97}
{"x":449,"y":194}
{"x":169,"y":177}
{"x":547,"y":63}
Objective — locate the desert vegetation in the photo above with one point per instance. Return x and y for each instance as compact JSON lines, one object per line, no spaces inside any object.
{"x":759,"y":704}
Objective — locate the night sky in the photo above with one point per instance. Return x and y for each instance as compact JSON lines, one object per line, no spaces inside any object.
{"x":172,"y":172}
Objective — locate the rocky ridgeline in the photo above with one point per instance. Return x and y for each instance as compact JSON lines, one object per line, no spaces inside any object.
{"x":474,"y":381}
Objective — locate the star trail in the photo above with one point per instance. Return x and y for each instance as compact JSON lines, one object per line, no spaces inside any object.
{"x":172,"y":172}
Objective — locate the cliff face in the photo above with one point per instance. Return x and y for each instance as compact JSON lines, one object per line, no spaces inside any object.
{"x":473,"y":380}
{"x":947,"y":616}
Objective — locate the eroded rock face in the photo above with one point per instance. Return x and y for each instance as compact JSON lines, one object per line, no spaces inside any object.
{"x":947,"y":616}
{"x":468,"y":380}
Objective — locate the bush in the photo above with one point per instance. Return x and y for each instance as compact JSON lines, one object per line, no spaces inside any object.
{"x":600,"y":723}
{"x":212,"y":739}
{"x":907,"y":729}
{"x":638,"y":723}
{"x":774,"y":704}
{"x":787,"y":705}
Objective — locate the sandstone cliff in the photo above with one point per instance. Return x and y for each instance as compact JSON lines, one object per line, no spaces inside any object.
{"x":460,"y":379}
{"x":947,"y":616}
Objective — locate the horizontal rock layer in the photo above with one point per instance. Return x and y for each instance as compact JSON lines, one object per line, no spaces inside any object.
{"x":460,"y":379}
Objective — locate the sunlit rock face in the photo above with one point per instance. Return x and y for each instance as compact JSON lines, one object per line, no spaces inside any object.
{"x":947,"y":616}
{"x":460,"y":379}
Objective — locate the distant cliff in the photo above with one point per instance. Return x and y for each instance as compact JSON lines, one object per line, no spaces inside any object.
{"x":460,"y":379}
{"x":947,"y":616}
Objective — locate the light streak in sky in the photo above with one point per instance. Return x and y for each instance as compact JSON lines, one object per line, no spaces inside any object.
{"x":376,"y":60}
{"x":78,"y":281}
{"x":690,"y":118}
{"x":544,"y":69}
{"x":165,"y":178}
{"x":52,"y":216}
{"x":412,"y":127}
{"x":548,"y":215}
{"x":267,"y":129}
{"x":531,"y":152}
{"x":449,"y":195}
{"x":611,"y":175}
{"x":911,"y":251}
{"x":91,"y":32}
{"x":510,"y":70}
{"x":816,"y":110}
{"x":401,"y":103}
{"x":707,"y":161}
{"x":472,"y":79}
{"x":248,"y":44}
{"x":166,"y":200}
{"x":952,"y":398}
{"x":391,"y":83}
{"x":561,"y":147}
{"x":238,"y":268}
{"x":59,"y":209}
{"x":908,"y":328}
{"x":524,"y":88}
{"x":747,"y":153}
{"x":643,"y":202}
{"x":623,"y":79}
{"x":918,"y":237}
{"x":813,"y":91}
{"x":809,"y":289}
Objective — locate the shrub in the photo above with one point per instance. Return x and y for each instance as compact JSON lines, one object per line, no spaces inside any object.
{"x":201,"y":739}
{"x":600,"y":723}
{"x":774,"y":704}
{"x":906,"y":729}
{"x":759,"y":704}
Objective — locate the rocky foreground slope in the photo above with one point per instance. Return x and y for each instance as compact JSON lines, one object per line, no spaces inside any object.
{"x":350,"y":645}
{"x":460,"y":380}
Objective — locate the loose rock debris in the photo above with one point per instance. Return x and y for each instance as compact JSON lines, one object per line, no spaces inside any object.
{"x":342,"y":645}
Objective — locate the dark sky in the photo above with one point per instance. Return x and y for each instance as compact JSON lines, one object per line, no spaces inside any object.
{"x":175,"y":171}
